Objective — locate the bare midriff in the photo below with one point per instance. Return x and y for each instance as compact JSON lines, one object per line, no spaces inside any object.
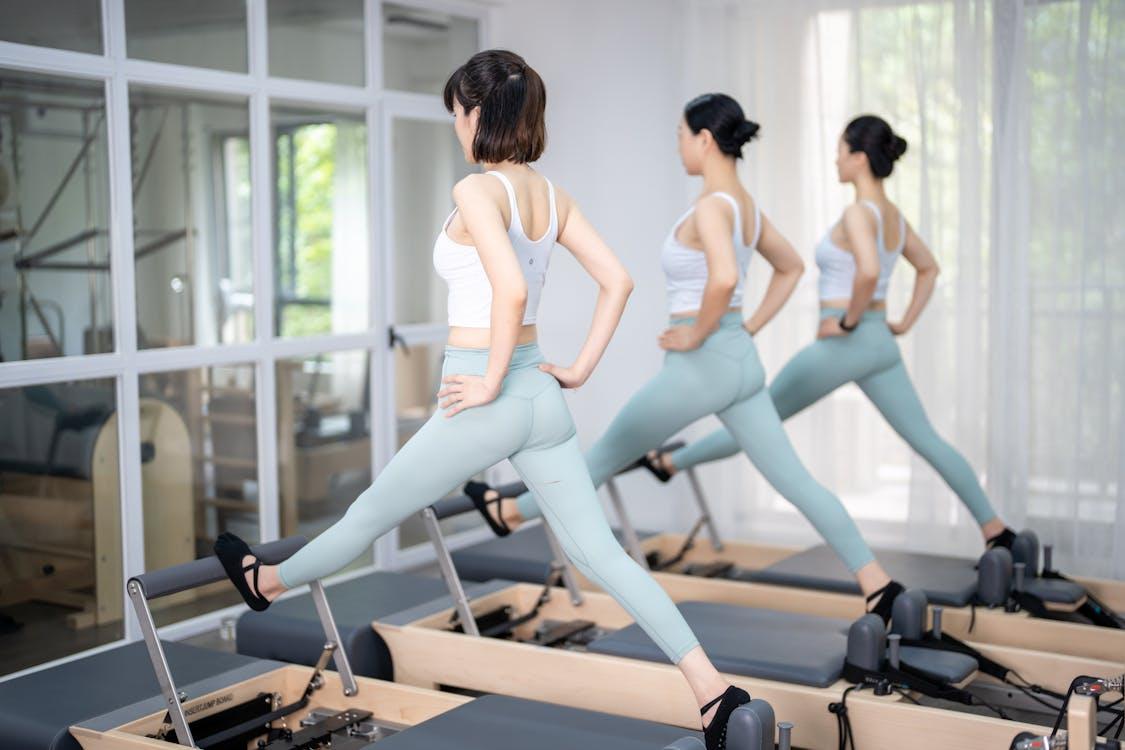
{"x":695,"y":313}
{"x":844,"y":303}
{"x":481,"y":338}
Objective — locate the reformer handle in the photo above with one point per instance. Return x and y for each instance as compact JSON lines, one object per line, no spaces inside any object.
{"x":784,"y":735}
{"x":1020,"y":572}
{"x":894,"y":644}
{"x":190,"y":575}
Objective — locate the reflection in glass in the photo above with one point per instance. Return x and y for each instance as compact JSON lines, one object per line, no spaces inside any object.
{"x":422,"y":47}
{"x":191,"y":193}
{"x":417,"y":381}
{"x":64,"y":24}
{"x":320,"y":232}
{"x":60,"y":540}
{"x":55,"y":294}
{"x":428,"y":162}
{"x":204,"y":33}
{"x":323,"y":439}
{"x":317,"y":40}
{"x":212,"y":486}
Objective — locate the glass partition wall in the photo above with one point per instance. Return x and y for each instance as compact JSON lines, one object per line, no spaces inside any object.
{"x":205,"y":211}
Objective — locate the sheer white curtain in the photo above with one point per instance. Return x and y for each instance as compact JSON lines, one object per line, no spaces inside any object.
{"x":1009,"y":107}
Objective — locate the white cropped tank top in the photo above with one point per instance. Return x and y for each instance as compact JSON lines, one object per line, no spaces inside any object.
{"x":685,"y":268}
{"x":470,"y":293}
{"x":837,"y":266}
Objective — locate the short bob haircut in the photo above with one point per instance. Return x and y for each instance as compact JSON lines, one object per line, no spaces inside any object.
{"x":512,"y":101}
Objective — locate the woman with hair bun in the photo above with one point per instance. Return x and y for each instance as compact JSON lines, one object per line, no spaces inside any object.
{"x":855,"y":342}
{"x":711,"y":365}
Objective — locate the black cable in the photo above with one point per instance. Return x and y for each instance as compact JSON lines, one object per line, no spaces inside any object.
{"x":995,"y":709}
{"x":1104,"y":731}
{"x":843,"y":723}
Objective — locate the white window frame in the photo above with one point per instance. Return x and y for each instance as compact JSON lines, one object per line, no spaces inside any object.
{"x":126,"y":363}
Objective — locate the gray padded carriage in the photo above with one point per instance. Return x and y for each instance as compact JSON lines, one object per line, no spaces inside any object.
{"x":290,"y":631}
{"x":497,"y":722}
{"x":752,"y":642}
{"x":37,"y":710}
{"x":949,"y":581}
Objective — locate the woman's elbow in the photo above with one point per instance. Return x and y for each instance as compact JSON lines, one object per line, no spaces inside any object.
{"x":724,"y":282}
{"x":515,"y":295}
{"x":867,"y":276}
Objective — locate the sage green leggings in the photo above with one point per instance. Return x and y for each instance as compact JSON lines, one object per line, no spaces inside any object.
{"x":722,"y":377}
{"x":868,"y":356}
{"x":530,"y":425}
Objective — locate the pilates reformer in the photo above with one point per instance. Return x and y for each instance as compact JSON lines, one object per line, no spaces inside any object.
{"x":1001,"y":599}
{"x":60,"y":483}
{"x":580,"y":648}
{"x":286,"y":707}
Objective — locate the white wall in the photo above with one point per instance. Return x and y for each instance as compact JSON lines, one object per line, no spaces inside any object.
{"x":614,"y":95}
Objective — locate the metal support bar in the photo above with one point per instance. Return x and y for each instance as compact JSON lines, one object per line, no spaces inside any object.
{"x":32,"y":261}
{"x":632,"y":542}
{"x":147,"y":162}
{"x":55,"y":340}
{"x":704,"y":509}
{"x":65,"y":181}
{"x":61,"y":266}
{"x":160,"y":665}
{"x":332,"y":636}
{"x":449,"y":573}
{"x":161,"y":241}
{"x":562,"y":563}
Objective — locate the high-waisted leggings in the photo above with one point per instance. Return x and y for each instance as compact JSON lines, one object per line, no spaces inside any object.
{"x":530,"y":425}
{"x":868,"y":356}
{"x":723,"y":377}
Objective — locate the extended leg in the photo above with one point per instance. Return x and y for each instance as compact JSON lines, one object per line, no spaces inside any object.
{"x":893,"y":394}
{"x":754,"y":423}
{"x":444,"y":453}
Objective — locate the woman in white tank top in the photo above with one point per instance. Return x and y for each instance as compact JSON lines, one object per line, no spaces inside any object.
{"x":855,"y":340}
{"x":711,"y":365}
{"x":500,"y":399}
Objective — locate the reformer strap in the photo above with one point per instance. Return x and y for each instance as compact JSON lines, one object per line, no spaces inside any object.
{"x":908,"y":677}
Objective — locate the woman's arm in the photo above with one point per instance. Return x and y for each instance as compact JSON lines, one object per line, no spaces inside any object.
{"x":478,"y":198}
{"x":926,"y":267}
{"x":787,"y":269}
{"x":579,"y":237}
{"x":714,"y":220}
{"x":861,"y":235}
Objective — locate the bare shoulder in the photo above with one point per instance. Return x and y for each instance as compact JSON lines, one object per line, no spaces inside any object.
{"x":476,"y":186}
{"x":858,"y":217}
{"x":713,"y":210}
